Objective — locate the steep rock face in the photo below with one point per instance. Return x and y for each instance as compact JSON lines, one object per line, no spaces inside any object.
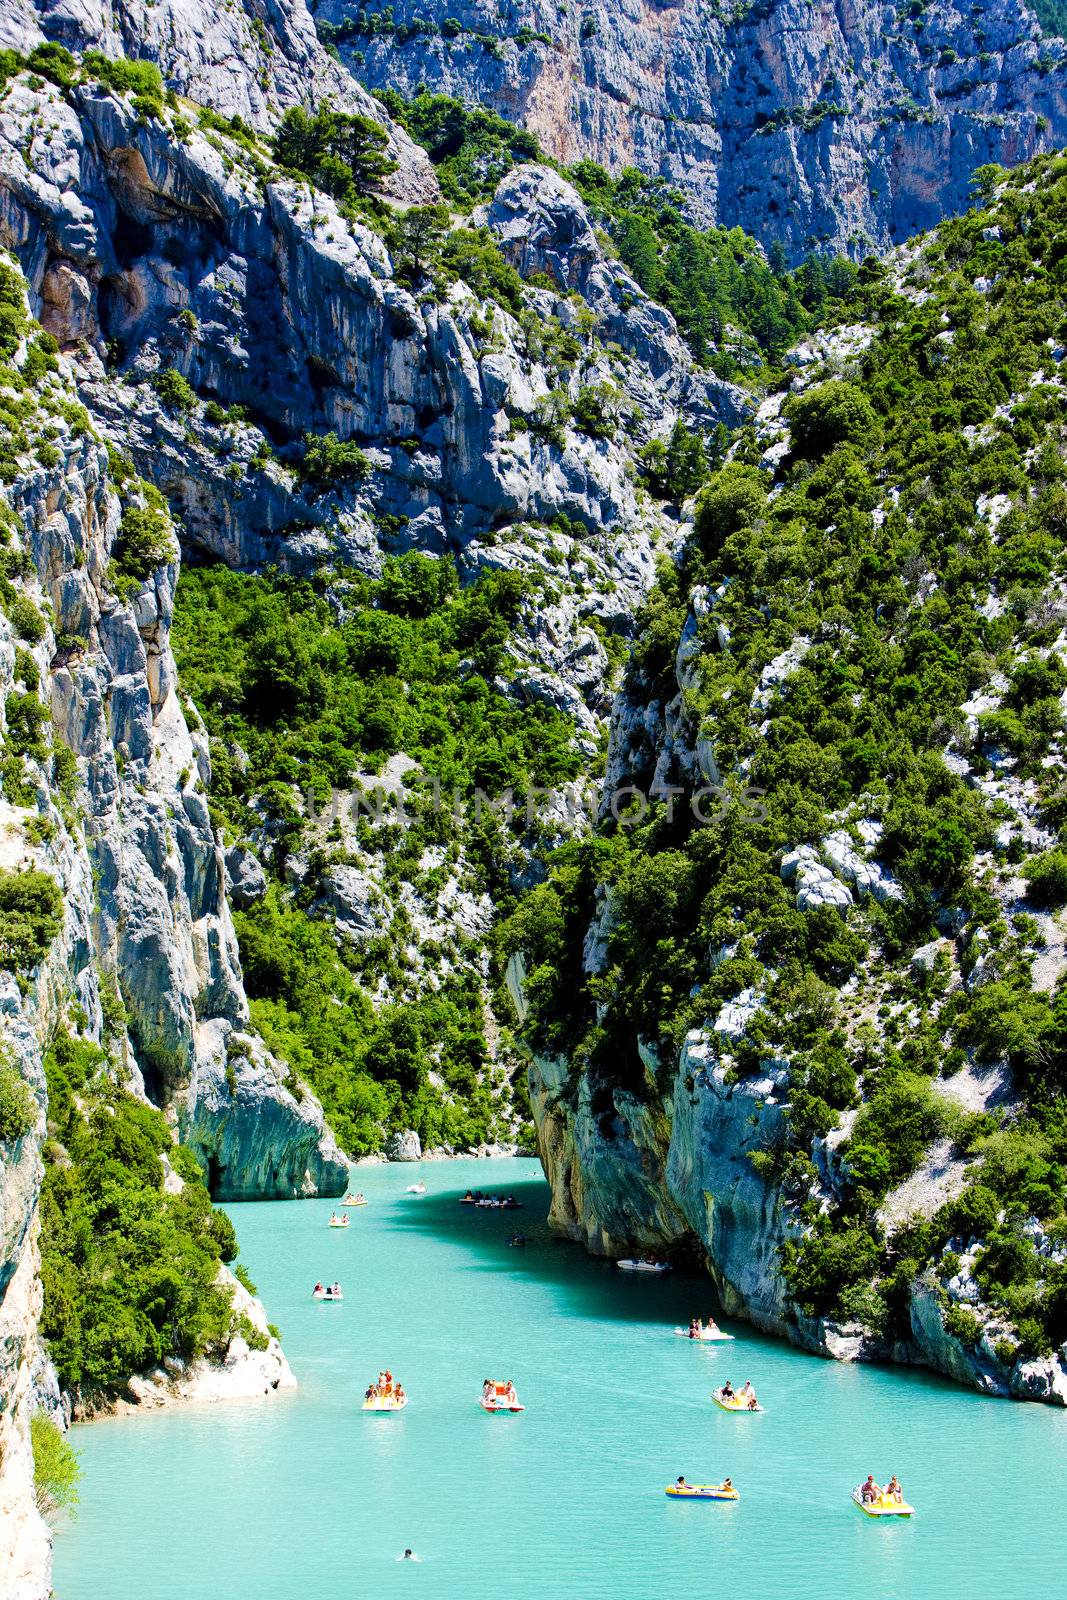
{"x":847,"y":125}
{"x":127,"y":838}
{"x":241,"y":60}
{"x":126,"y":234}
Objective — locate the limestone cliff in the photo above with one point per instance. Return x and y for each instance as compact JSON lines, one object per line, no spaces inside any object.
{"x":835,"y":125}
{"x":104,"y":795}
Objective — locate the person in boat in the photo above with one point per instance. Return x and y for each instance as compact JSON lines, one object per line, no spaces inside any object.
{"x":372,"y":1390}
{"x":894,"y":1491}
{"x":318,"y":1289}
{"x":695,"y":1329}
{"x":680,"y":1483}
{"x":469,"y":1196}
{"x":400,"y":1396}
{"x":727,"y":1391}
{"x":870,"y":1491}
{"x":748,"y":1394}
{"x":727,"y":1483}
{"x":711,"y":1326}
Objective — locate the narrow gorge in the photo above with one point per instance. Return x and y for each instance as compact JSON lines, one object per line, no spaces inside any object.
{"x":532,"y":620}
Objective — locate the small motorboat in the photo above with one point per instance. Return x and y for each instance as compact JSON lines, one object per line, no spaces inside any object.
{"x":736,"y":1402}
{"x":385,"y":1402}
{"x":326,"y":1295}
{"x":705,"y":1336}
{"x":501,"y":1397}
{"x":884,"y":1506}
{"x":339,"y":1222}
{"x":415,"y":1188}
{"x":702,"y":1491}
{"x":354,"y":1200}
{"x":640,"y":1264}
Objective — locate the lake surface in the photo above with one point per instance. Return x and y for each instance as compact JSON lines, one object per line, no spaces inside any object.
{"x":304,"y":1495}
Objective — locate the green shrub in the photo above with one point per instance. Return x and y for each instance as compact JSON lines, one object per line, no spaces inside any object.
{"x":1046,"y":879}
{"x":18,"y":1109}
{"x":329,"y":460}
{"x":963,"y":1324}
{"x":174,"y":390}
{"x":31,"y":914}
{"x":55,"y":1467}
{"x":146,"y":541}
{"x":831,"y":413}
{"x":24,"y":617}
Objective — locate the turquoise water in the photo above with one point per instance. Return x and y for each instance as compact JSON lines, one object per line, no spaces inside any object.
{"x":304,"y":1495}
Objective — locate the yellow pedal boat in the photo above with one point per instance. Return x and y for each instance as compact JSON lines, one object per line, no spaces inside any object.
{"x":701,"y":1491}
{"x":736,"y":1404}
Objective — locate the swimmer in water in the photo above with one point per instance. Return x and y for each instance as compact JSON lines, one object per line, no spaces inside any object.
{"x":409,"y":1555}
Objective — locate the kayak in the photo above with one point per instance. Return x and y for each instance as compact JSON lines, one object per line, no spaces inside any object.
{"x":325,"y":1295}
{"x":499,"y":1405}
{"x":700,"y":1491}
{"x":883,"y":1506}
{"x":382,"y":1403}
{"x":736,"y":1404}
{"x":706,"y":1337}
{"x":631,"y":1265}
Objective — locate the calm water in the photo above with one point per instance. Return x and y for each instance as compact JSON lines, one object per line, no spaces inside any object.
{"x":303,"y":1496}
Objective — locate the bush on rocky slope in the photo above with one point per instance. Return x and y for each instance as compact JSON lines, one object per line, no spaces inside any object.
{"x":876,"y":579}
{"x":129,"y":1268}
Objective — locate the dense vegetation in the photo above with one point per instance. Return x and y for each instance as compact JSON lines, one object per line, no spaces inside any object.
{"x":129,"y":1271}
{"x":307,"y":689}
{"x":874,"y":544}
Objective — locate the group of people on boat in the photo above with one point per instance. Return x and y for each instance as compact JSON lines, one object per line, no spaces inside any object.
{"x":725,"y":1486}
{"x":491,"y":1202}
{"x":745,"y":1396}
{"x":698,"y":1329}
{"x":355,"y":1199}
{"x":499,"y":1393}
{"x":386,"y":1388}
{"x":871,"y":1492}
{"x":327,"y":1291}
{"x":338,"y":1222}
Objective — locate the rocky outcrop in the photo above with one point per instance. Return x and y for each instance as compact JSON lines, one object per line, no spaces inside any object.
{"x":816,"y":125}
{"x":242,"y":60}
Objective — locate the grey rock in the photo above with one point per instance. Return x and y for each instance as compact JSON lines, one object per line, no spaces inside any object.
{"x":245,"y":877}
{"x":847,"y":126}
{"x":405,"y":1146}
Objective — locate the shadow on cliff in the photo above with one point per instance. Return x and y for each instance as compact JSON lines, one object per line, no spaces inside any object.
{"x":593,"y":1286}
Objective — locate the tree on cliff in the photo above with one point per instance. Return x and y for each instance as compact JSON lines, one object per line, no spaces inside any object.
{"x":341,"y":154}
